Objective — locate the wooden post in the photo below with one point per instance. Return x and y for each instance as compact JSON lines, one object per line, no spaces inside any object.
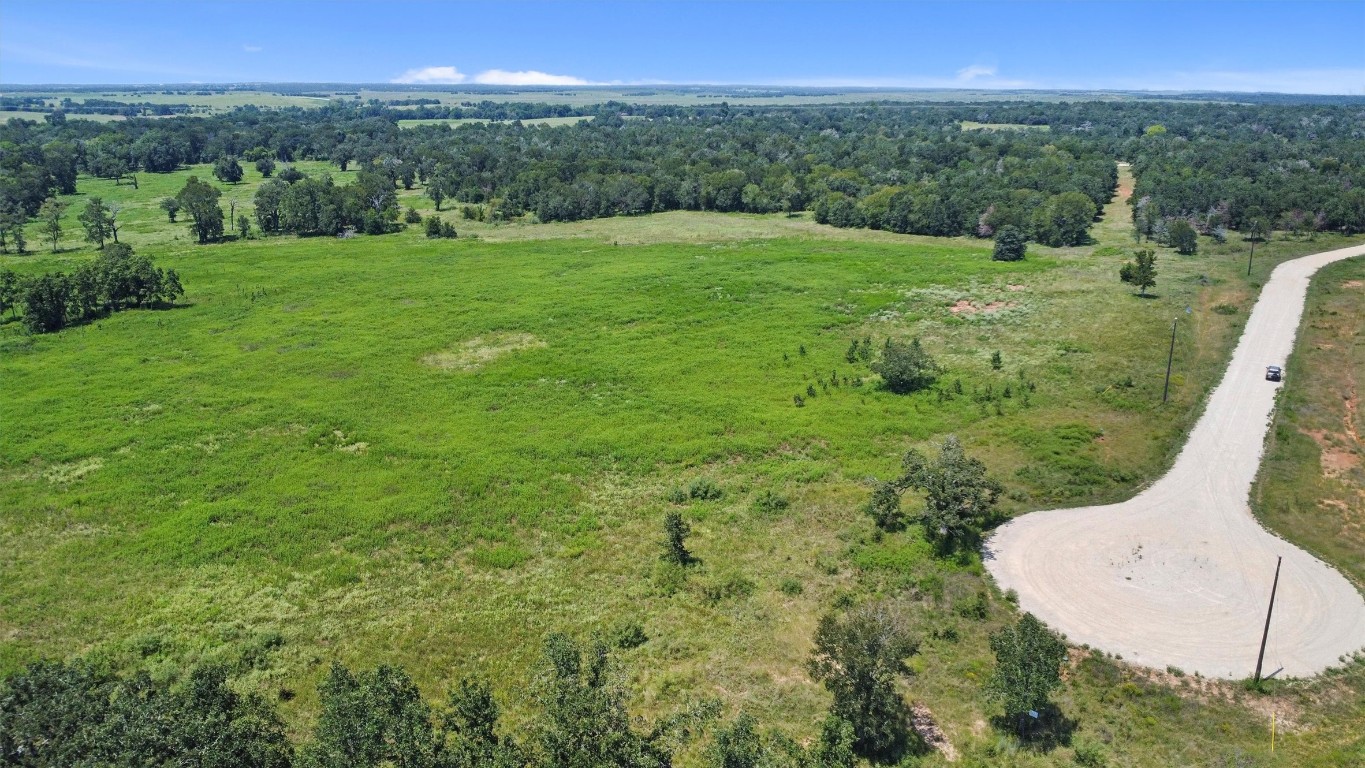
{"x":1170,"y":357}
{"x":1266,"y":634}
{"x":1253,"y":253}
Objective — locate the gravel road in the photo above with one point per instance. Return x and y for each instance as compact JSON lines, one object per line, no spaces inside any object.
{"x":1180,"y":575}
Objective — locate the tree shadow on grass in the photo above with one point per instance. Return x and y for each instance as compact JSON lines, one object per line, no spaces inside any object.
{"x":1051,"y":730}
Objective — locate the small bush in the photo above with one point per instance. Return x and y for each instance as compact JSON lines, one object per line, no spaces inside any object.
{"x":1011,"y":597}
{"x":627,"y":634}
{"x":676,"y":496}
{"x":791,"y":587}
{"x":1226,"y":309}
{"x":727,"y":585}
{"x":703,"y":489}
{"x":975,"y":607}
{"x":676,"y":531}
{"x":669,"y":578}
{"x":411,"y":216}
{"x":799,"y":401}
{"x":1089,"y":752}
{"x":769,"y":503}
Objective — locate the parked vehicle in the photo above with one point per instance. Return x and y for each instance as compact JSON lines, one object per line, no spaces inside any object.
{"x":1273,"y":373}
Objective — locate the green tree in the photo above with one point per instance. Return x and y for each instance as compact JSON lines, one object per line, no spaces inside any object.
{"x":97,"y":221}
{"x":959,"y":497}
{"x":227,"y":170}
{"x":859,"y":658}
{"x":50,"y":215}
{"x":200,"y":200}
{"x":1028,"y":661}
{"x":1064,"y":220}
{"x":585,"y":722}
{"x":676,"y":531}
{"x":738,"y":746}
{"x":1183,"y":237}
{"x":10,"y":292}
{"x":436,"y":190}
{"x":471,"y":722}
{"x":1010,"y":244}
{"x":1140,"y":272}
{"x":905,"y":367}
{"x":171,"y":206}
{"x":265,"y":166}
{"x":373,"y":719}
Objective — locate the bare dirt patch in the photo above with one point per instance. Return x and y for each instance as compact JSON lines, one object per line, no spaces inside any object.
{"x":1353,"y":284}
{"x":966,"y":307}
{"x":922,"y":721}
{"x":473,"y":353}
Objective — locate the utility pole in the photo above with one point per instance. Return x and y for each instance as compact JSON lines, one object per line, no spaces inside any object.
{"x":1170,"y":358}
{"x":1261,"y":657}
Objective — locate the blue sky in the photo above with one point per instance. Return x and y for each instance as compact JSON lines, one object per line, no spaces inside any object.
{"x":1288,"y":46}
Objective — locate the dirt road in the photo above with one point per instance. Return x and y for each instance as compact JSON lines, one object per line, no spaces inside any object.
{"x":1180,"y":575}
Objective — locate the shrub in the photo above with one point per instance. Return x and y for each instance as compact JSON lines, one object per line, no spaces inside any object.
{"x":975,"y":607}
{"x":676,"y":531}
{"x":1010,"y":244}
{"x":906,"y":367}
{"x":770,"y":503}
{"x":790,"y":586}
{"x":411,"y":216}
{"x":726,"y":585}
{"x":627,"y":635}
{"x":1089,"y":752}
{"x":703,"y":489}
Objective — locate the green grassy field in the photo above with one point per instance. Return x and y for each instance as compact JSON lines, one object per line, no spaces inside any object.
{"x":435,"y":452}
{"x":1312,"y":485}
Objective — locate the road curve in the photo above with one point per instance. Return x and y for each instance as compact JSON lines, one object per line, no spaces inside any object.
{"x":1180,"y":575}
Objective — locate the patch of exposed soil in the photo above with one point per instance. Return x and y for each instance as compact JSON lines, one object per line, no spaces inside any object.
{"x":966,"y":307}
{"x":922,"y":721}
{"x":474,"y":353}
{"x":1353,"y":284}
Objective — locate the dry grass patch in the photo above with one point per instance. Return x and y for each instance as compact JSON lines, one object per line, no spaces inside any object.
{"x":474,"y":353}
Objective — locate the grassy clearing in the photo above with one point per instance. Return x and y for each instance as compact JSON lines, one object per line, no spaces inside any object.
{"x":7,"y":114}
{"x":971,"y":125}
{"x":276,"y":475}
{"x":1312,"y":484}
{"x":473,"y":120}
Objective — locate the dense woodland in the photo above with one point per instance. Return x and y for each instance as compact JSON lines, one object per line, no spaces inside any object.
{"x":904,"y":168}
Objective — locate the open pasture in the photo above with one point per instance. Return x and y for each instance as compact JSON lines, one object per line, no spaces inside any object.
{"x":435,"y":452}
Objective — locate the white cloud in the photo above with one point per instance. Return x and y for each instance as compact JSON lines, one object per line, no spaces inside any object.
{"x":432,"y":75}
{"x":525,"y":77}
{"x":967,"y":74}
{"x":252,"y":48}
{"x":451,"y":75}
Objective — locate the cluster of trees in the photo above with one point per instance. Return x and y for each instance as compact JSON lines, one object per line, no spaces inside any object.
{"x":115,"y":279}
{"x":303,"y":205}
{"x":79,"y":713}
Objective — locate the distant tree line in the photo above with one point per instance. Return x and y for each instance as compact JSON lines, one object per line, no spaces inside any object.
{"x":901,"y":167}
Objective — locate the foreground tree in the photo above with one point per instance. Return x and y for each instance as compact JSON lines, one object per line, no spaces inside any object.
{"x":373,"y":719}
{"x":1028,"y":662}
{"x":959,"y":498}
{"x":859,"y":658}
{"x":586,"y":723}
{"x":265,"y":166}
{"x":200,"y":200}
{"x":1140,"y":272}
{"x":1010,"y":244}
{"x":905,"y":367}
